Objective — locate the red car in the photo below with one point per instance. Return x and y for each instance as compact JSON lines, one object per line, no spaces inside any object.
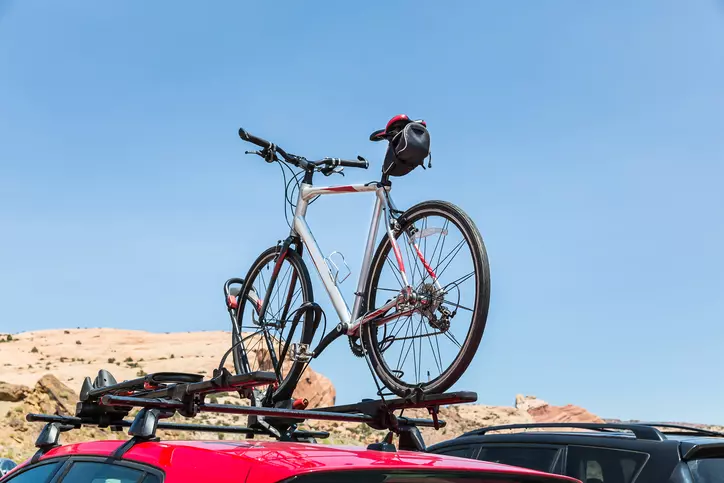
{"x":259,"y":462}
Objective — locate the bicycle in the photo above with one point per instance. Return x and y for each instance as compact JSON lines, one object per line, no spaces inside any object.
{"x":276,"y":294}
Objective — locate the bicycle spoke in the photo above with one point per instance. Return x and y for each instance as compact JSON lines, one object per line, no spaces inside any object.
{"x":456,"y":305}
{"x":434,"y":250}
{"x":265,"y":286}
{"x":419,"y":356}
{"x":395,"y":271}
{"x":404,"y":342}
{"x":444,"y":239}
{"x":413,"y":261}
{"x":411,"y":345}
{"x":424,"y":250}
{"x":394,"y":336}
{"x":437,"y":343}
{"x":279,"y":284}
{"x":460,"y":280}
{"x":452,"y":338}
{"x":453,"y":252}
{"x":276,"y":314}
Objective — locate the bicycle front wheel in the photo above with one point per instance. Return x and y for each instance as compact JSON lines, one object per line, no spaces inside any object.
{"x":428,"y":343}
{"x":263,"y":342}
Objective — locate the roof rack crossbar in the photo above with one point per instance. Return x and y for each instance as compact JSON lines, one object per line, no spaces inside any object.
{"x":300,"y":414}
{"x":372,"y":406}
{"x":640,"y":431}
{"x":78,"y":422}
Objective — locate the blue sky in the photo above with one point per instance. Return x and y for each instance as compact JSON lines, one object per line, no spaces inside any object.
{"x":583,"y":138}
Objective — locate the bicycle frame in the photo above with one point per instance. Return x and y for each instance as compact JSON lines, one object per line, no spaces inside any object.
{"x":300,"y":228}
{"x":350,"y":321}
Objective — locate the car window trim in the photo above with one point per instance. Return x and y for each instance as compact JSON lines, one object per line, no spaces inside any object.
{"x":48,"y":461}
{"x":143,"y":467}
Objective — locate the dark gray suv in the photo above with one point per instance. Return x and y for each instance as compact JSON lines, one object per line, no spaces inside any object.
{"x":600,"y":453}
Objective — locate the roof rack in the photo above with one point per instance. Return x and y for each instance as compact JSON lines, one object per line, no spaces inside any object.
{"x":106,"y":403}
{"x":640,"y":431}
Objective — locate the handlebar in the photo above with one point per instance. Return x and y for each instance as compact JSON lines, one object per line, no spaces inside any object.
{"x":360,"y":162}
{"x":324,"y":165}
{"x":262,"y":143}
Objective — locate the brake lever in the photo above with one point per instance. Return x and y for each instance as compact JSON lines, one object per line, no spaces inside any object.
{"x":269,"y":154}
{"x":329,"y":172}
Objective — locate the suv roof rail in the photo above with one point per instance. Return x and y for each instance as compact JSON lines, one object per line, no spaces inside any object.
{"x":640,"y":431}
{"x":683,"y":429}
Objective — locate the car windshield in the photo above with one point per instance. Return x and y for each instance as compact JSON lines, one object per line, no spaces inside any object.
{"x":707,"y":470}
{"x":418,"y":477}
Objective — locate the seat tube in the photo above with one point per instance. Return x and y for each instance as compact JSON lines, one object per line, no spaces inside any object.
{"x":393,"y":242}
{"x":369,"y":251}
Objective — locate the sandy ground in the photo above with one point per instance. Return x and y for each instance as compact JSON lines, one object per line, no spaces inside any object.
{"x":73,"y":354}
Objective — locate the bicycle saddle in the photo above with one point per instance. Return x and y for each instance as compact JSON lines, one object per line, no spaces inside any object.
{"x":393,"y":126}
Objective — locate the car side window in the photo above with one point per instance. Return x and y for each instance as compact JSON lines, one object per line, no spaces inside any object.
{"x":603,"y":465}
{"x":462,"y":451}
{"x":37,"y":474}
{"x":532,"y":457}
{"x":96,"y":472}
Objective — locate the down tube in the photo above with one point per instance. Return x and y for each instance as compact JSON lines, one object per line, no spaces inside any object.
{"x":302,"y":228}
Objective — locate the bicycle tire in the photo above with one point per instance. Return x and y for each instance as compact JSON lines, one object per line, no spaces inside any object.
{"x":479,"y":312}
{"x":287,"y":384}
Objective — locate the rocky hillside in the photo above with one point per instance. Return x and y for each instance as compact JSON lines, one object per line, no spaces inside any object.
{"x":41,"y":371}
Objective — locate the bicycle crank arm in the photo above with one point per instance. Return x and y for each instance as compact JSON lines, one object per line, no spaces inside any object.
{"x":337,"y":332}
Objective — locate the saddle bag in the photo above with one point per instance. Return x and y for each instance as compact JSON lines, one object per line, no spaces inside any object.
{"x":407,"y":150}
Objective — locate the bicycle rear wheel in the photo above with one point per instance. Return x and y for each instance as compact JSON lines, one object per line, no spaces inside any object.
{"x":428,"y":344}
{"x":263,"y":342}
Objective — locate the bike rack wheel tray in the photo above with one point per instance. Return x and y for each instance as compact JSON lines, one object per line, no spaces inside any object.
{"x":106,"y":403}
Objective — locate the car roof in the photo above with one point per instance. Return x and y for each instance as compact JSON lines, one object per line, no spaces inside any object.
{"x":275,"y":460}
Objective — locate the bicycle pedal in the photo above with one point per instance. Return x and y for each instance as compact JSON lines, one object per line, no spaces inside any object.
{"x":301,"y":352}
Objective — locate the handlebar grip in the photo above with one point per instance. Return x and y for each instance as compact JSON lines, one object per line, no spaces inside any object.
{"x":262,"y":143}
{"x":358,"y":163}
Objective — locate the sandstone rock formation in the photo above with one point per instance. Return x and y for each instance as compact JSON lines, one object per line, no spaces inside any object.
{"x":542,"y":412}
{"x":12,"y":392}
